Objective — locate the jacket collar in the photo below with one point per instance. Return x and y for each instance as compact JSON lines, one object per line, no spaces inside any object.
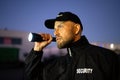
{"x":79,"y":45}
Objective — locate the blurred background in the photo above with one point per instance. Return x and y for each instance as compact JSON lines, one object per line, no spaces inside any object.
{"x":100,"y":18}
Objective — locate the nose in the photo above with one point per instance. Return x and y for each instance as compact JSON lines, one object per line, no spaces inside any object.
{"x":55,"y":32}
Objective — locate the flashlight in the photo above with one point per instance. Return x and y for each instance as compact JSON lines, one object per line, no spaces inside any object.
{"x":34,"y":37}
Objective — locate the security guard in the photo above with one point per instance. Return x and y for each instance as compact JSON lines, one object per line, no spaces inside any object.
{"x":83,"y":61}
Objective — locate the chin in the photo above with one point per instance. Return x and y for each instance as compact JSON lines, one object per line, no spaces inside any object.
{"x":64,"y":44}
{"x":61,"y":46}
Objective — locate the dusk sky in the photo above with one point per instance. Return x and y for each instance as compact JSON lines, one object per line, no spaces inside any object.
{"x":100,"y":18}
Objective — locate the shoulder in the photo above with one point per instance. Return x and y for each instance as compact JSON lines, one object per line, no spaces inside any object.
{"x":98,"y":52}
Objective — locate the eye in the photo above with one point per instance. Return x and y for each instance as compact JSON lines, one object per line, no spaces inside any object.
{"x":60,"y":26}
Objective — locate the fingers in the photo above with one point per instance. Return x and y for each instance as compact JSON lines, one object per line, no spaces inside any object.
{"x":40,"y":45}
{"x":46,"y":37}
{"x":50,"y":39}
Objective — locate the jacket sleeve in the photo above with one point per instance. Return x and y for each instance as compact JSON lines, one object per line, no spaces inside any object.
{"x":33,"y":65}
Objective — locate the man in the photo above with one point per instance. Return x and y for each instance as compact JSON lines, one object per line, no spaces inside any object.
{"x":83,"y":61}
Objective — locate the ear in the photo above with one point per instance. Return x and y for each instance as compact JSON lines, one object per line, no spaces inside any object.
{"x":77,"y":29}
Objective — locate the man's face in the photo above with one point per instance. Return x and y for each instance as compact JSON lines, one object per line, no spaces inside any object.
{"x":64,"y":32}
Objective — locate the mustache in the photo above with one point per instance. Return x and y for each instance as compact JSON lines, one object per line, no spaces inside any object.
{"x":58,"y":37}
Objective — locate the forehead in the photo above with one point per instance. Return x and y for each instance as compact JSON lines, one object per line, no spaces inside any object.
{"x":59,"y":22}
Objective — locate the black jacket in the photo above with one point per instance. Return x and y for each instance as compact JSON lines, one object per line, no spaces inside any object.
{"x":86,"y":62}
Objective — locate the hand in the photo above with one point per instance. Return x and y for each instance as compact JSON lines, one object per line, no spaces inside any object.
{"x":40,"y":45}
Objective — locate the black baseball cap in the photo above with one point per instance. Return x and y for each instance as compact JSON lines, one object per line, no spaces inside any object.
{"x":63,"y":16}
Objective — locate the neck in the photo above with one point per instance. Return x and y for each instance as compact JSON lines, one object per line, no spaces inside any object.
{"x":77,"y":38}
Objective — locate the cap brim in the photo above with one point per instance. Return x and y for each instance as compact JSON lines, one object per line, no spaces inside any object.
{"x":50,"y":23}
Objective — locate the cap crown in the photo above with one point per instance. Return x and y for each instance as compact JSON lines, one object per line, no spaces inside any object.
{"x":63,"y":16}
